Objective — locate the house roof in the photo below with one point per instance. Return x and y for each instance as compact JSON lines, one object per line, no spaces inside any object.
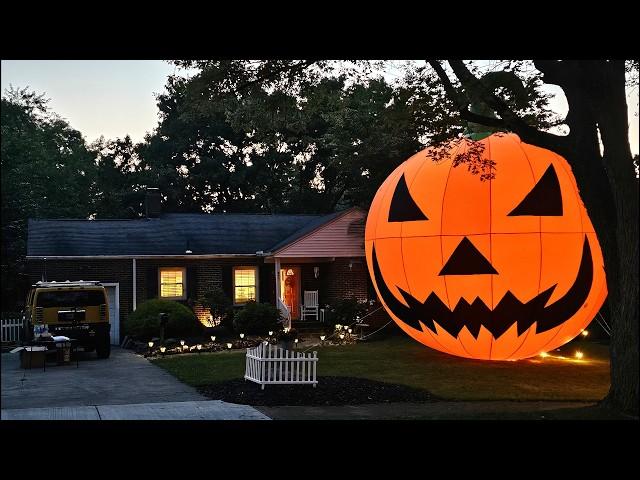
{"x":169,"y":234}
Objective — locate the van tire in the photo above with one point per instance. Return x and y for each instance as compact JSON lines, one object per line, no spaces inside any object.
{"x":103,"y":349}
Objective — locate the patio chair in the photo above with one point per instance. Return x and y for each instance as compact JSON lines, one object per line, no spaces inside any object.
{"x":310,"y":306}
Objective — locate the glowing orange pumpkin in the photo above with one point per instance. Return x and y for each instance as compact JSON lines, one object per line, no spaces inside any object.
{"x":500,"y":269}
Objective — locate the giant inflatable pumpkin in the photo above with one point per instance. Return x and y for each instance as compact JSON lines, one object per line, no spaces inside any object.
{"x":500,"y":269}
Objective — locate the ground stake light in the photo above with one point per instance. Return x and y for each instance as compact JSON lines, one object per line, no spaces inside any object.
{"x":504,"y":268}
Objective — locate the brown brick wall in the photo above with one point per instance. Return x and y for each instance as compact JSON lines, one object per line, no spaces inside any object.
{"x":336,"y":280}
{"x":344,"y":282}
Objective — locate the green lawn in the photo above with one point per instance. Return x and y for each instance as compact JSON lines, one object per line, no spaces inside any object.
{"x":404,"y":361}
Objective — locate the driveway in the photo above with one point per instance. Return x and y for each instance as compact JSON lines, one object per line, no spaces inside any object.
{"x":123,"y":379}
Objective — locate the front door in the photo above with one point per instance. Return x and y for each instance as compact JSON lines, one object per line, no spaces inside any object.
{"x":290,"y":289}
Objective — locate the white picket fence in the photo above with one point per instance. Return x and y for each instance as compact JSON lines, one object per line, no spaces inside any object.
{"x":12,"y":329}
{"x":268,"y":364}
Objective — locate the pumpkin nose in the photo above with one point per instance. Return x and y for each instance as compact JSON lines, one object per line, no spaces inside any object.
{"x":467,"y":260}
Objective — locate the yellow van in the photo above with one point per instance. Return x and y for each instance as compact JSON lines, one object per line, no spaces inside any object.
{"x":78,"y":310}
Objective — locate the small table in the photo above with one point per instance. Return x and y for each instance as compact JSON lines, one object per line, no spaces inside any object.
{"x":58,"y":351}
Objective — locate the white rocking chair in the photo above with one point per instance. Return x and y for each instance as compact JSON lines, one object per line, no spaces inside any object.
{"x":310,"y":306}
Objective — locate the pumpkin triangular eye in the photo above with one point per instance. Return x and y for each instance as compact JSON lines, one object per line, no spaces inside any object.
{"x":545,"y":199}
{"x":403,"y":208}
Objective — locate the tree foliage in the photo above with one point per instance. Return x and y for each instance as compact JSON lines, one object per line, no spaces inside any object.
{"x":47,"y":172}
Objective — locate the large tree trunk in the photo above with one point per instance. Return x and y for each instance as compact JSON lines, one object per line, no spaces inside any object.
{"x":595,"y":91}
{"x":612,"y":121}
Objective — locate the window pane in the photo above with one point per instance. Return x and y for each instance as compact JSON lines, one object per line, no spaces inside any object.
{"x":171,"y":283}
{"x":245,"y":277}
{"x":244,"y":294}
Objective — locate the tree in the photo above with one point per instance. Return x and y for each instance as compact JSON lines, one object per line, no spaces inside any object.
{"x":233,"y":139}
{"x":47,"y":172}
{"x":595,"y":92}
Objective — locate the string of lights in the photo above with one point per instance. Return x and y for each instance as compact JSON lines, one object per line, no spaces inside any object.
{"x":337,"y":331}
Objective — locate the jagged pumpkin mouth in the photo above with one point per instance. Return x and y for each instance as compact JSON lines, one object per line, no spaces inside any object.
{"x":508,"y":311}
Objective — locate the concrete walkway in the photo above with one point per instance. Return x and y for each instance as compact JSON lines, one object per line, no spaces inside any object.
{"x":204,"y":410}
{"x":498,"y":410}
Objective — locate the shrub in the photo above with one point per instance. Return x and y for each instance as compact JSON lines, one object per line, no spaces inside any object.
{"x":344,"y":312}
{"x":256,"y":318}
{"x":220,"y":307}
{"x":145,"y":323}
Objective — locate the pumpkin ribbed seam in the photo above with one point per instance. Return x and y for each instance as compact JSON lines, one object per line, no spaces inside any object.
{"x":540,"y":239}
{"x":444,"y":277}
{"x":560,"y":161}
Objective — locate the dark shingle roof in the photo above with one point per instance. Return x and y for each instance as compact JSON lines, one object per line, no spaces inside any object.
{"x":168,"y":234}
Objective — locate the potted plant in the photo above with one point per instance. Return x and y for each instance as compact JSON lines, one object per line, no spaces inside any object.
{"x":286,"y":338}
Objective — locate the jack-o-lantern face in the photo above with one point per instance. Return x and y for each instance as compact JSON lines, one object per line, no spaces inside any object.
{"x":501,"y":269}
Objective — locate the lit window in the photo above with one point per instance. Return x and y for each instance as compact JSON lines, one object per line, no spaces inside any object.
{"x":172,"y":283}
{"x":244,"y":284}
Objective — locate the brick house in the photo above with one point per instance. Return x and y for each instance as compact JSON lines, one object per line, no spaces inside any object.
{"x":181,"y":256}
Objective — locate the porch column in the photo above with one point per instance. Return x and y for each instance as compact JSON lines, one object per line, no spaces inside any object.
{"x":277,"y":270}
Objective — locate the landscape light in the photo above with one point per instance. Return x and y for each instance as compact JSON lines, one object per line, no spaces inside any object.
{"x":150,"y":344}
{"x":585,"y":333}
{"x":579,"y":355}
{"x":296,"y":340}
{"x":242,"y":335}
{"x":544,"y":354}
{"x":349,"y":330}
{"x":182,"y":342}
{"x":199,"y":347}
{"x":229,"y":345}
{"x":270,"y":332}
{"x":213,"y":338}
{"x":322,"y":337}
{"x":342,"y":336}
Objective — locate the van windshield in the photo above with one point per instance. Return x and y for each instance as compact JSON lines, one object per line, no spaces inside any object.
{"x":70,"y":298}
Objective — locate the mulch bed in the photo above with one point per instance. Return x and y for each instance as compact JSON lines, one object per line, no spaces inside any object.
{"x":329,"y":391}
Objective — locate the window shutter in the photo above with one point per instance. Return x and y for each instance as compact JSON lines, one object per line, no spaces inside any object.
{"x":266,"y":288}
{"x":192,"y":282}
{"x":152,"y":282}
{"x":227,"y":281}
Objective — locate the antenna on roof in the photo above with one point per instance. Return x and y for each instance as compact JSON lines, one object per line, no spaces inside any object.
{"x":44,"y":272}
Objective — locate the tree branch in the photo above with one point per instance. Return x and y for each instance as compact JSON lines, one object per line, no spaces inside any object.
{"x":461,"y":101}
{"x":476,"y":91}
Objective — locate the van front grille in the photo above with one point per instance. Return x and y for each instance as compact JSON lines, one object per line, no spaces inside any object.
{"x":39,"y":315}
{"x":103,"y":312}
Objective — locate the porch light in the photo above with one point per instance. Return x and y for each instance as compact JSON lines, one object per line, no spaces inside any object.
{"x":213,"y":338}
{"x":289,"y":272}
{"x":242,"y":335}
{"x":342,"y":336}
{"x":579,"y":355}
{"x":316,"y":272}
{"x":150,"y":344}
{"x":584,"y":333}
{"x":229,"y":345}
